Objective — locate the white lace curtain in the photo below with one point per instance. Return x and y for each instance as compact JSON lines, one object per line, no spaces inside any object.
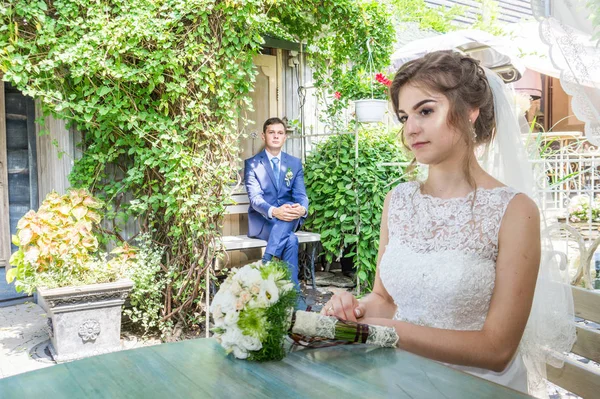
{"x":567,"y":29}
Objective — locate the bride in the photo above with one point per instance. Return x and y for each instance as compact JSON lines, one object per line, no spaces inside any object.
{"x":460,"y":252}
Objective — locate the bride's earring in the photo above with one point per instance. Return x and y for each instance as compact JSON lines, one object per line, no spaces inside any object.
{"x":473,"y":132}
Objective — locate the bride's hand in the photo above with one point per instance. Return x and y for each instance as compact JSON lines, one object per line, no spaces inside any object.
{"x":344,"y":306}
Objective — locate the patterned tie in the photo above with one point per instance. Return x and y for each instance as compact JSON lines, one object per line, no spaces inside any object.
{"x":275,"y":162}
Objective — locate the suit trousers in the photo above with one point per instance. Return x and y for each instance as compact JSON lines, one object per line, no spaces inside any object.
{"x":283,"y":243}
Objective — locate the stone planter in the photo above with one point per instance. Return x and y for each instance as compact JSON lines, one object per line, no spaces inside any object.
{"x":370,"y":110}
{"x":85,"y":320}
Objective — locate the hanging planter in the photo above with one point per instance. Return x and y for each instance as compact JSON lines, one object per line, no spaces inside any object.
{"x":370,"y":110}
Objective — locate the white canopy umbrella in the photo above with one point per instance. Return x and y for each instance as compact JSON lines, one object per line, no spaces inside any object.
{"x":550,"y":47}
{"x":495,"y":53}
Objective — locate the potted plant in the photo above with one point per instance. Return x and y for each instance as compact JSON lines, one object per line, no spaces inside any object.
{"x":81,"y":289}
{"x":369,"y":93}
{"x":583,"y":209}
{"x":334,"y":178}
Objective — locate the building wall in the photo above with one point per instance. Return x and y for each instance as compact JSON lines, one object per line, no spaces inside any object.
{"x":57,"y":151}
{"x":509,"y":10}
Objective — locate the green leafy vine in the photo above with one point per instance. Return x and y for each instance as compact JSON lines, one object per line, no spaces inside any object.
{"x":155,"y":88}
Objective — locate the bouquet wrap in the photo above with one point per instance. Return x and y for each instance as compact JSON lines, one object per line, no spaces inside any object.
{"x":319,"y":326}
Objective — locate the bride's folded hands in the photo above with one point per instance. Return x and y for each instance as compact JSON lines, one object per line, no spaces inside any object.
{"x":346,"y":307}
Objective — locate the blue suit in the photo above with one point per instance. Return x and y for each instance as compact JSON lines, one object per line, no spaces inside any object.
{"x":263,"y":194}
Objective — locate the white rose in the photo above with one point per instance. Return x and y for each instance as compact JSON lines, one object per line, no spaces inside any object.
{"x":260,"y":300}
{"x":239,"y":304}
{"x":250,"y":276}
{"x":255,"y":289}
{"x":251,"y":343}
{"x":245,"y":296}
{"x":231,"y":318}
{"x":271,"y":290}
{"x":226,"y":300}
{"x":239,"y":353}
{"x":235,"y":287}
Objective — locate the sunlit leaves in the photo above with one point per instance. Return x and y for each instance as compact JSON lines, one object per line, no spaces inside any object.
{"x":58,"y":243}
{"x":155,"y":87}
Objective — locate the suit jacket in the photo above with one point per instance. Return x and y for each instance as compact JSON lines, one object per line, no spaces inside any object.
{"x":260,"y":185}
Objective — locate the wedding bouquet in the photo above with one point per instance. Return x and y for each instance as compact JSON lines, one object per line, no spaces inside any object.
{"x":253,"y":312}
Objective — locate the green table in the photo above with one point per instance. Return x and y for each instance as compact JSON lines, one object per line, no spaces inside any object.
{"x":199,"y":369}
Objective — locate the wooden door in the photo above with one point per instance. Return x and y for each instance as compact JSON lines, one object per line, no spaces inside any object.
{"x":265,"y":104}
{"x":18,"y":175}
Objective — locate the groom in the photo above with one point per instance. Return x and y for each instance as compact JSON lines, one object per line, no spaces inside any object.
{"x":278,"y":201}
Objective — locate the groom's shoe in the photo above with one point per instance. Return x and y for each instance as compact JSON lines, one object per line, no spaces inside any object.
{"x":266,"y":258}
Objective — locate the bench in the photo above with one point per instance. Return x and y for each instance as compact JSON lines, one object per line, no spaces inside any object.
{"x":576,"y":376}
{"x":241,"y":242}
{"x":233,"y":243}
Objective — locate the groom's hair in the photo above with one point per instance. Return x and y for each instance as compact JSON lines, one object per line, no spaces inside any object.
{"x":273,"y":121}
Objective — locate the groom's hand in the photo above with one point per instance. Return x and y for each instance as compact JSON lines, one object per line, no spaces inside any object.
{"x":299,"y":209}
{"x":285,"y":212}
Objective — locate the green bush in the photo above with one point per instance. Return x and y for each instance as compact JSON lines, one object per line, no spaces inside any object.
{"x":332,"y":181}
{"x":58,"y":245}
{"x":149,"y":284}
{"x":156,"y":87}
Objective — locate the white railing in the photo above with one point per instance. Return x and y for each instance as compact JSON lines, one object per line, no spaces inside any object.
{"x":570,"y":170}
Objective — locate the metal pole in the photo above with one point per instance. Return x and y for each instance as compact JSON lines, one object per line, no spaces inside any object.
{"x":207,"y":302}
{"x":357,"y":204}
{"x":302,"y":102}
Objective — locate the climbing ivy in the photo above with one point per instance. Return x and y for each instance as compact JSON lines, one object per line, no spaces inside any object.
{"x":155,"y":88}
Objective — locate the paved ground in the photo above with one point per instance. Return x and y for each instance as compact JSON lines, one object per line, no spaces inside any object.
{"x":24,"y":339}
{"x":22,"y":328}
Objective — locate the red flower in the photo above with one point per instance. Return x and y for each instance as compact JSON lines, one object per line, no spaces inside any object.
{"x":383,"y":80}
{"x":337,"y":95}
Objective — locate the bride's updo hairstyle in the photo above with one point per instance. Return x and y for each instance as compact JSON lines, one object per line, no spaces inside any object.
{"x":462,"y":81}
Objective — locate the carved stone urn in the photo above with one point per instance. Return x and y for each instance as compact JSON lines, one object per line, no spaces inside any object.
{"x":85,"y":320}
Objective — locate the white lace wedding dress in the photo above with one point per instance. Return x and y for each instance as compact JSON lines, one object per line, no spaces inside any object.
{"x":439,"y":264}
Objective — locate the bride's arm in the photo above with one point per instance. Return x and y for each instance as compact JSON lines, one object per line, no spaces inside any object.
{"x":379,"y":303}
{"x":516,"y":271}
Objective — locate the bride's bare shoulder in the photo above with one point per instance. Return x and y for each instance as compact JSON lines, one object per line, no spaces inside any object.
{"x":489,"y":183}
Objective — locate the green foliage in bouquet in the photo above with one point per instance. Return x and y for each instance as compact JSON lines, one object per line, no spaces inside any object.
{"x":332,"y":182}
{"x":277,"y":317}
{"x":252,"y":311}
{"x":58,"y":246}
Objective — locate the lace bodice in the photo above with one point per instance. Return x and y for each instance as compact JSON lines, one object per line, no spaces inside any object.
{"x":439,"y":264}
